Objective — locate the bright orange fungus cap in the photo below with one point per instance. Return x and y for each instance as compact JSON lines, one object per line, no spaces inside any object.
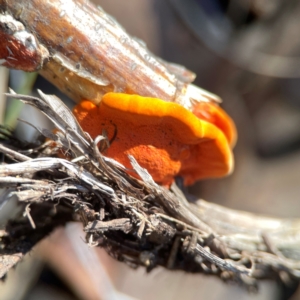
{"x":164,"y":137}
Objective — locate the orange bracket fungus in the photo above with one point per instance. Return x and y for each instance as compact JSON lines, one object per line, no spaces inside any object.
{"x":164,"y":137}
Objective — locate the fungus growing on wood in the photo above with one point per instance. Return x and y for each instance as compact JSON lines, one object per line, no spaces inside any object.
{"x":164,"y":137}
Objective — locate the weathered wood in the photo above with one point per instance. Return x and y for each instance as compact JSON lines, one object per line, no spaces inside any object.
{"x":138,"y":221}
{"x":90,"y":54}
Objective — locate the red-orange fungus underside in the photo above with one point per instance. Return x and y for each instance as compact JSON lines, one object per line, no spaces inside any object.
{"x":165,"y":138}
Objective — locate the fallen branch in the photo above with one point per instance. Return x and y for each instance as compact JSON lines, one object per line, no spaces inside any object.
{"x":137,"y":221}
{"x":108,"y":59}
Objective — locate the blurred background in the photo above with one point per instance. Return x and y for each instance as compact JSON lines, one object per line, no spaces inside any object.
{"x":248,"y":53}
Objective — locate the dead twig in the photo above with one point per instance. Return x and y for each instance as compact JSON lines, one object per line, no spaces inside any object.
{"x":138,"y":221}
